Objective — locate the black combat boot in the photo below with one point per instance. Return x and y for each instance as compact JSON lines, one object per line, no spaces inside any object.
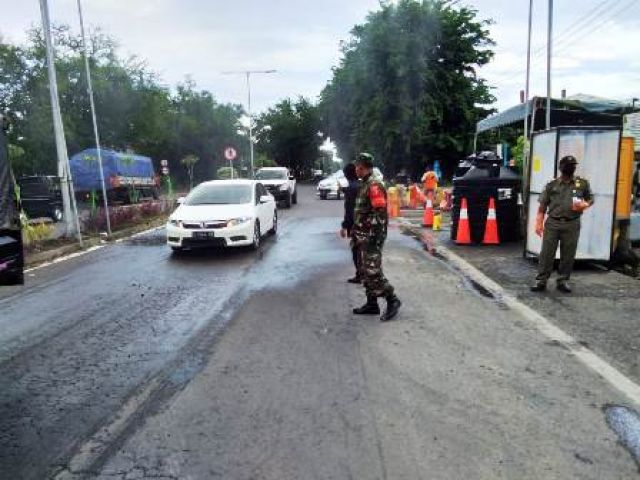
{"x":538,"y":287}
{"x":369,"y":308}
{"x":563,"y":287}
{"x":393,"y":305}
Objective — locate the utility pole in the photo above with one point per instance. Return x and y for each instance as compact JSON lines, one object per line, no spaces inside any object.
{"x":94,"y":118}
{"x":549,"y":54}
{"x":72,"y":223}
{"x":526,"y":87}
{"x":248,"y":74}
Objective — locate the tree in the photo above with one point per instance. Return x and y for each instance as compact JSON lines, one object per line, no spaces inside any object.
{"x":407,"y":87}
{"x":289,"y":134}
{"x":189,"y":162}
{"x":135,"y":112}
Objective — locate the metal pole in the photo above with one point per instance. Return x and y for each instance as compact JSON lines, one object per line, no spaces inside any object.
{"x":64,"y":172}
{"x":94,"y":119}
{"x":526,"y":88}
{"x":549,"y":53}
{"x":248,"y":73}
{"x":250,"y":121}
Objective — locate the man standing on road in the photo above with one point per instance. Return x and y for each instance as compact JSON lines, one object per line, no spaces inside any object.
{"x":369,"y":234}
{"x":350,"y":195}
{"x":564,"y":199}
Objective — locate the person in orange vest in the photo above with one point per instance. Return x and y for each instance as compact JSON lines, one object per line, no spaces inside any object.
{"x":429,"y":181}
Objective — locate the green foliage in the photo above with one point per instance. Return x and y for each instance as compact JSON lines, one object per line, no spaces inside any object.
{"x":407,"y":88}
{"x":261,"y":160}
{"x":289,"y":134}
{"x":135,"y":111}
{"x":189,"y":162}
{"x":518,"y":151}
{"x":224,"y":173}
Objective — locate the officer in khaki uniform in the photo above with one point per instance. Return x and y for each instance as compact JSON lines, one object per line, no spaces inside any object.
{"x":563,"y":200}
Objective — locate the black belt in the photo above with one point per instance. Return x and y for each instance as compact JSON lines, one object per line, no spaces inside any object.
{"x":565,"y":219}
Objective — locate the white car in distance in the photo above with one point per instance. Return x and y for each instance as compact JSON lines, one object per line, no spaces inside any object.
{"x":223,"y":213}
{"x":332,"y":185}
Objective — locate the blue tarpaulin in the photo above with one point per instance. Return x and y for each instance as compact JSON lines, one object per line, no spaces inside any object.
{"x":86,"y":173}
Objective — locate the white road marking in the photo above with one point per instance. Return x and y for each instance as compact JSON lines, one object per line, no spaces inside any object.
{"x":608,"y":372}
{"x":88,"y":250}
{"x":92,"y":449}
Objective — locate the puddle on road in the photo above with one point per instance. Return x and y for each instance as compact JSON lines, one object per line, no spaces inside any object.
{"x":467,"y":282}
{"x":625,"y":422}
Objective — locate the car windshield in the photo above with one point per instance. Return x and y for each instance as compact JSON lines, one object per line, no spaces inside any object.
{"x":219,"y":195}
{"x":271,"y":175}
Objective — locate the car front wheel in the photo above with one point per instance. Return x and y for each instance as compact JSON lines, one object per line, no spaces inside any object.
{"x":274,"y":229}
{"x":56,"y":215}
{"x":256,"y":236}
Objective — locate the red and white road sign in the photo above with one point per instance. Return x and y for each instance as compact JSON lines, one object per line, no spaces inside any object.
{"x":230,"y":153}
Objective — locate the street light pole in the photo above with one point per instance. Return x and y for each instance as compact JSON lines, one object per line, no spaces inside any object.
{"x":526,"y":87}
{"x":549,"y":54}
{"x":64,"y":171}
{"x":248,"y":74}
{"x":93,"y":117}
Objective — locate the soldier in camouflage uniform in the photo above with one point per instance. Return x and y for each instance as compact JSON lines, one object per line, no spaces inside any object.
{"x":368,"y":234}
{"x":563,"y":200}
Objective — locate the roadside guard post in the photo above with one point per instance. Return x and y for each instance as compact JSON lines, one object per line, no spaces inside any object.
{"x":598,"y":152}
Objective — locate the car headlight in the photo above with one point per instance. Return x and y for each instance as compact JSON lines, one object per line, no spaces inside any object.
{"x":284,"y":187}
{"x":234,"y":222}
{"x":175,"y":223}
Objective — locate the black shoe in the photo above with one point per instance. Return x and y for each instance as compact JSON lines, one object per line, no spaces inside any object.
{"x":369,"y":308}
{"x":393,"y":305}
{"x":355,"y":279}
{"x":564,"y":287}
{"x":538,"y":287}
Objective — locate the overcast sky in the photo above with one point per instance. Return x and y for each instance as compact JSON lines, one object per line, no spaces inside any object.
{"x":598,"y":49}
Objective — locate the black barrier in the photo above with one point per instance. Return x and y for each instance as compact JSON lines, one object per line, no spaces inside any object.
{"x":11,"y":252}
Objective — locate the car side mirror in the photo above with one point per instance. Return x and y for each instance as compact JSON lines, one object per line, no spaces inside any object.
{"x":265,"y":198}
{"x":181,"y":200}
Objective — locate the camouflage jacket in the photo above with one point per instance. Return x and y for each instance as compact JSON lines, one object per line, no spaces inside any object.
{"x":370,"y":223}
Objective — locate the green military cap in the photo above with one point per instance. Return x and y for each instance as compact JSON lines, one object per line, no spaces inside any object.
{"x":568,"y":159}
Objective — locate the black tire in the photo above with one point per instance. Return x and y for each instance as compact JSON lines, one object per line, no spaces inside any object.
{"x":338,"y":194}
{"x":257,"y":237}
{"x":323,"y":195}
{"x":287,"y":201}
{"x":56,"y":215}
{"x":295,"y":197}
{"x":274,"y":230}
{"x":177,"y":249}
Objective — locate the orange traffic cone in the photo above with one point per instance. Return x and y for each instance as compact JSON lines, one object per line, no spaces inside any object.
{"x":491,"y":228}
{"x":413,"y":197}
{"x":463,"y":235}
{"x":427,"y":218}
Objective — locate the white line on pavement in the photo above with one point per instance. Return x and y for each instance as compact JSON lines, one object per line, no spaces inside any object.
{"x":607,"y":371}
{"x":88,"y":250}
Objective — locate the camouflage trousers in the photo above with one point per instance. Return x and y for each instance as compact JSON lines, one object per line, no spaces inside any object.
{"x":373,"y":279}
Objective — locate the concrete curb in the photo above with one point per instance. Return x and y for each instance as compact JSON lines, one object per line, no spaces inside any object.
{"x":35,"y":259}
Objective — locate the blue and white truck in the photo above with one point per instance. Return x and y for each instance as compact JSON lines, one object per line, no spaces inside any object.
{"x":128,"y":177}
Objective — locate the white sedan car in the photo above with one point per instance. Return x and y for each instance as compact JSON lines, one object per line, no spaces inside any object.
{"x":332,"y":185}
{"x":223,"y":213}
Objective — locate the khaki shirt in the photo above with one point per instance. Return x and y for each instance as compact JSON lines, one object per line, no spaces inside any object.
{"x":557,"y":197}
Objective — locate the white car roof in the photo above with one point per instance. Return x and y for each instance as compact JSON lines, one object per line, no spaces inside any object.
{"x":239,"y":181}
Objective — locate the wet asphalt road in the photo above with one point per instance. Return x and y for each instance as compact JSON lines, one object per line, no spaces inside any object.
{"x":83,"y":335}
{"x":130,"y":362}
